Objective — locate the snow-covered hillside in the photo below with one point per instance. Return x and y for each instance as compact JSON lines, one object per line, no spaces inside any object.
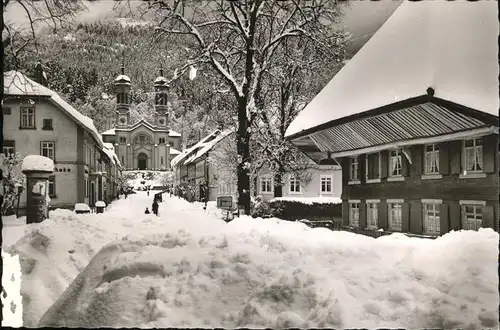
{"x":188,"y":268}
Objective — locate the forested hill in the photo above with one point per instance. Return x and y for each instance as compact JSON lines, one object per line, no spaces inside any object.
{"x":82,"y":62}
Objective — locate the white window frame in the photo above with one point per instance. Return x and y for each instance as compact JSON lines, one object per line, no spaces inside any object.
{"x":326,"y":178}
{"x":396,"y":177}
{"x":28,"y":117}
{"x":294,"y":183}
{"x":267,"y":180}
{"x":478,"y":154}
{"x":375,"y":180}
{"x":431,"y":225}
{"x":477,"y":206}
{"x":49,"y":146}
{"x":392,"y":203}
{"x":354,"y":170}
{"x":8,"y":150}
{"x":52,"y":182}
{"x":431,"y":156}
{"x":354,"y":207}
{"x":372,"y":221}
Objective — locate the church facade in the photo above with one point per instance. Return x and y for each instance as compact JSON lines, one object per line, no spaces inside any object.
{"x":143,"y":145}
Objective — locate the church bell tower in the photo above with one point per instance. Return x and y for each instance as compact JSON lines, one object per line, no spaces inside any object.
{"x":122,"y":89}
{"x":161,"y":100}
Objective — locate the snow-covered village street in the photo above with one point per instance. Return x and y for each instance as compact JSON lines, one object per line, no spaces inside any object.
{"x":189,"y":268}
{"x":250,"y":164}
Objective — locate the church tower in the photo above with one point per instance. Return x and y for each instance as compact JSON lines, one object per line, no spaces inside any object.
{"x":161,"y":101}
{"x":122,"y":89}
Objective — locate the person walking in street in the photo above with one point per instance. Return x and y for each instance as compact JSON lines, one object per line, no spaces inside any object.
{"x":147,"y":211}
{"x":155,"y":207}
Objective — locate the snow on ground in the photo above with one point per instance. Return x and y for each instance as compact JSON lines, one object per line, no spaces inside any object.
{"x":188,"y":268}
{"x":157,"y":178}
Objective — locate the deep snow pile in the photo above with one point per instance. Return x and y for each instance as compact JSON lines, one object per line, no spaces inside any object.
{"x":191,"y":269}
{"x":151,"y":178}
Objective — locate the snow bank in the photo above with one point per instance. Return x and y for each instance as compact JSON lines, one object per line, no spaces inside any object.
{"x":81,"y":207}
{"x":189,"y":268}
{"x":37,"y":163}
{"x":310,"y":200}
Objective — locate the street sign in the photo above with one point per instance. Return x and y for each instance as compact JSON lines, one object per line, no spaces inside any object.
{"x":225,"y":202}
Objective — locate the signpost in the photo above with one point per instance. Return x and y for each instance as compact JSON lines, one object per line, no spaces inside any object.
{"x":226,"y":203}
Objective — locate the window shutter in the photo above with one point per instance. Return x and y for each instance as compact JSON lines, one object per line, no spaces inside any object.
{"x":444,"y":159}
{"x":376,"y":165}
{"x":405,"y":165}
{"x":455,"y":216}
{"x":416,"y":218}
{"x":362,"y":215}
{"x":488,"y":217}
{"x":384,"y":163}
{"x":345,"y":213}
{"x":489,"y":153}
{"x":405,"y":217}
{"x":455,"y":155}
{"x":382,"y":215}
{"x":361,"y":168}
{"x":345,"y":170}
{"x":444,"y":219}
{"x":417,"y":154}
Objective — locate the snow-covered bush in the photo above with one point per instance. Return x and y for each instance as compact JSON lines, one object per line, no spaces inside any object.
{"x":293,"y":210}
{"x":12,"y":177}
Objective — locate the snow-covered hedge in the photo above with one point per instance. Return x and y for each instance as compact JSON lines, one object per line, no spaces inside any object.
{"x":293,"y":209}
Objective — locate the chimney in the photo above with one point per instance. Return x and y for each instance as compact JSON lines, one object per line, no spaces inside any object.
{"x":40,"y":75}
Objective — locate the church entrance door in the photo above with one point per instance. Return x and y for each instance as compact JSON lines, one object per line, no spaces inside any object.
{"x":142,"y":161}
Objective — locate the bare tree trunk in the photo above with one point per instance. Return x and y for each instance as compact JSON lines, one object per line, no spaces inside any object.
{"x":243,"y":146}
{"x":278,"y":181}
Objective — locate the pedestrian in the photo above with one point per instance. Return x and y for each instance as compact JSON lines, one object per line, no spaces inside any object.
{"x":148,"y":192}
{"x":147,"y":211}
{"x":155,"y":207}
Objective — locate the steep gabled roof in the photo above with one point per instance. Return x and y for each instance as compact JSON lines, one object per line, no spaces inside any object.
{"x":206,"y":146}
{"x":17,"y":84}
{"x":449,"y":46}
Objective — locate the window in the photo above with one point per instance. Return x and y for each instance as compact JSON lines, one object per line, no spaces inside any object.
{"x":8,"y":148}
{"x":354,"y":169}
{"x":395,"y":216}
{"x":472,"y":216}
{"x":266,"y":184}
{"x":47,"y":124}
{"x":48,"y":150}
{"x":431,"y":218}
{"x":123,"y":139}
{"x":86,"y":188}
{"x":326,"y":183}
{"x":372,"y":166}
{"x":52,"y":186}
{"x":161,"y":160}
{"x":6,"y":111}
{"x":294,"y":185}
{"x":473,"y":155}
{"x":372,"y":214}
{"x":28,"y":117}
{"x":170,"y":143}
{"x":354,"y":213}
{"x":162,"y":141}
{"x":431,"y":159}
{"x":395,"y":163}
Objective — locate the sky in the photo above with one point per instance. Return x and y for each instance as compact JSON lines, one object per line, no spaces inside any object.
{"x":362,"y":19}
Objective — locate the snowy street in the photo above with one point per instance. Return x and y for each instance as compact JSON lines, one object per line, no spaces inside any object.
{"x":188,"y":268}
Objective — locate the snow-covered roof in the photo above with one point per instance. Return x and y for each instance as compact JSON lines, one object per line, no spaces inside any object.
{"x":17,"y":84}
{"x":449,"y":46}
{"x":109,"y":132}
{"x":174,"y":151}
{"x":109,"y":150}
{"x":174,"y":134}
{"x":203,"y":147}
{"x":37,"y":163}
{"x":122,"y":77}
{"x":188,"y":151}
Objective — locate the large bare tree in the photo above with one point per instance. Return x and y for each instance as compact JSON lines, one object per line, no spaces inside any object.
{"x":239,"y":40}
